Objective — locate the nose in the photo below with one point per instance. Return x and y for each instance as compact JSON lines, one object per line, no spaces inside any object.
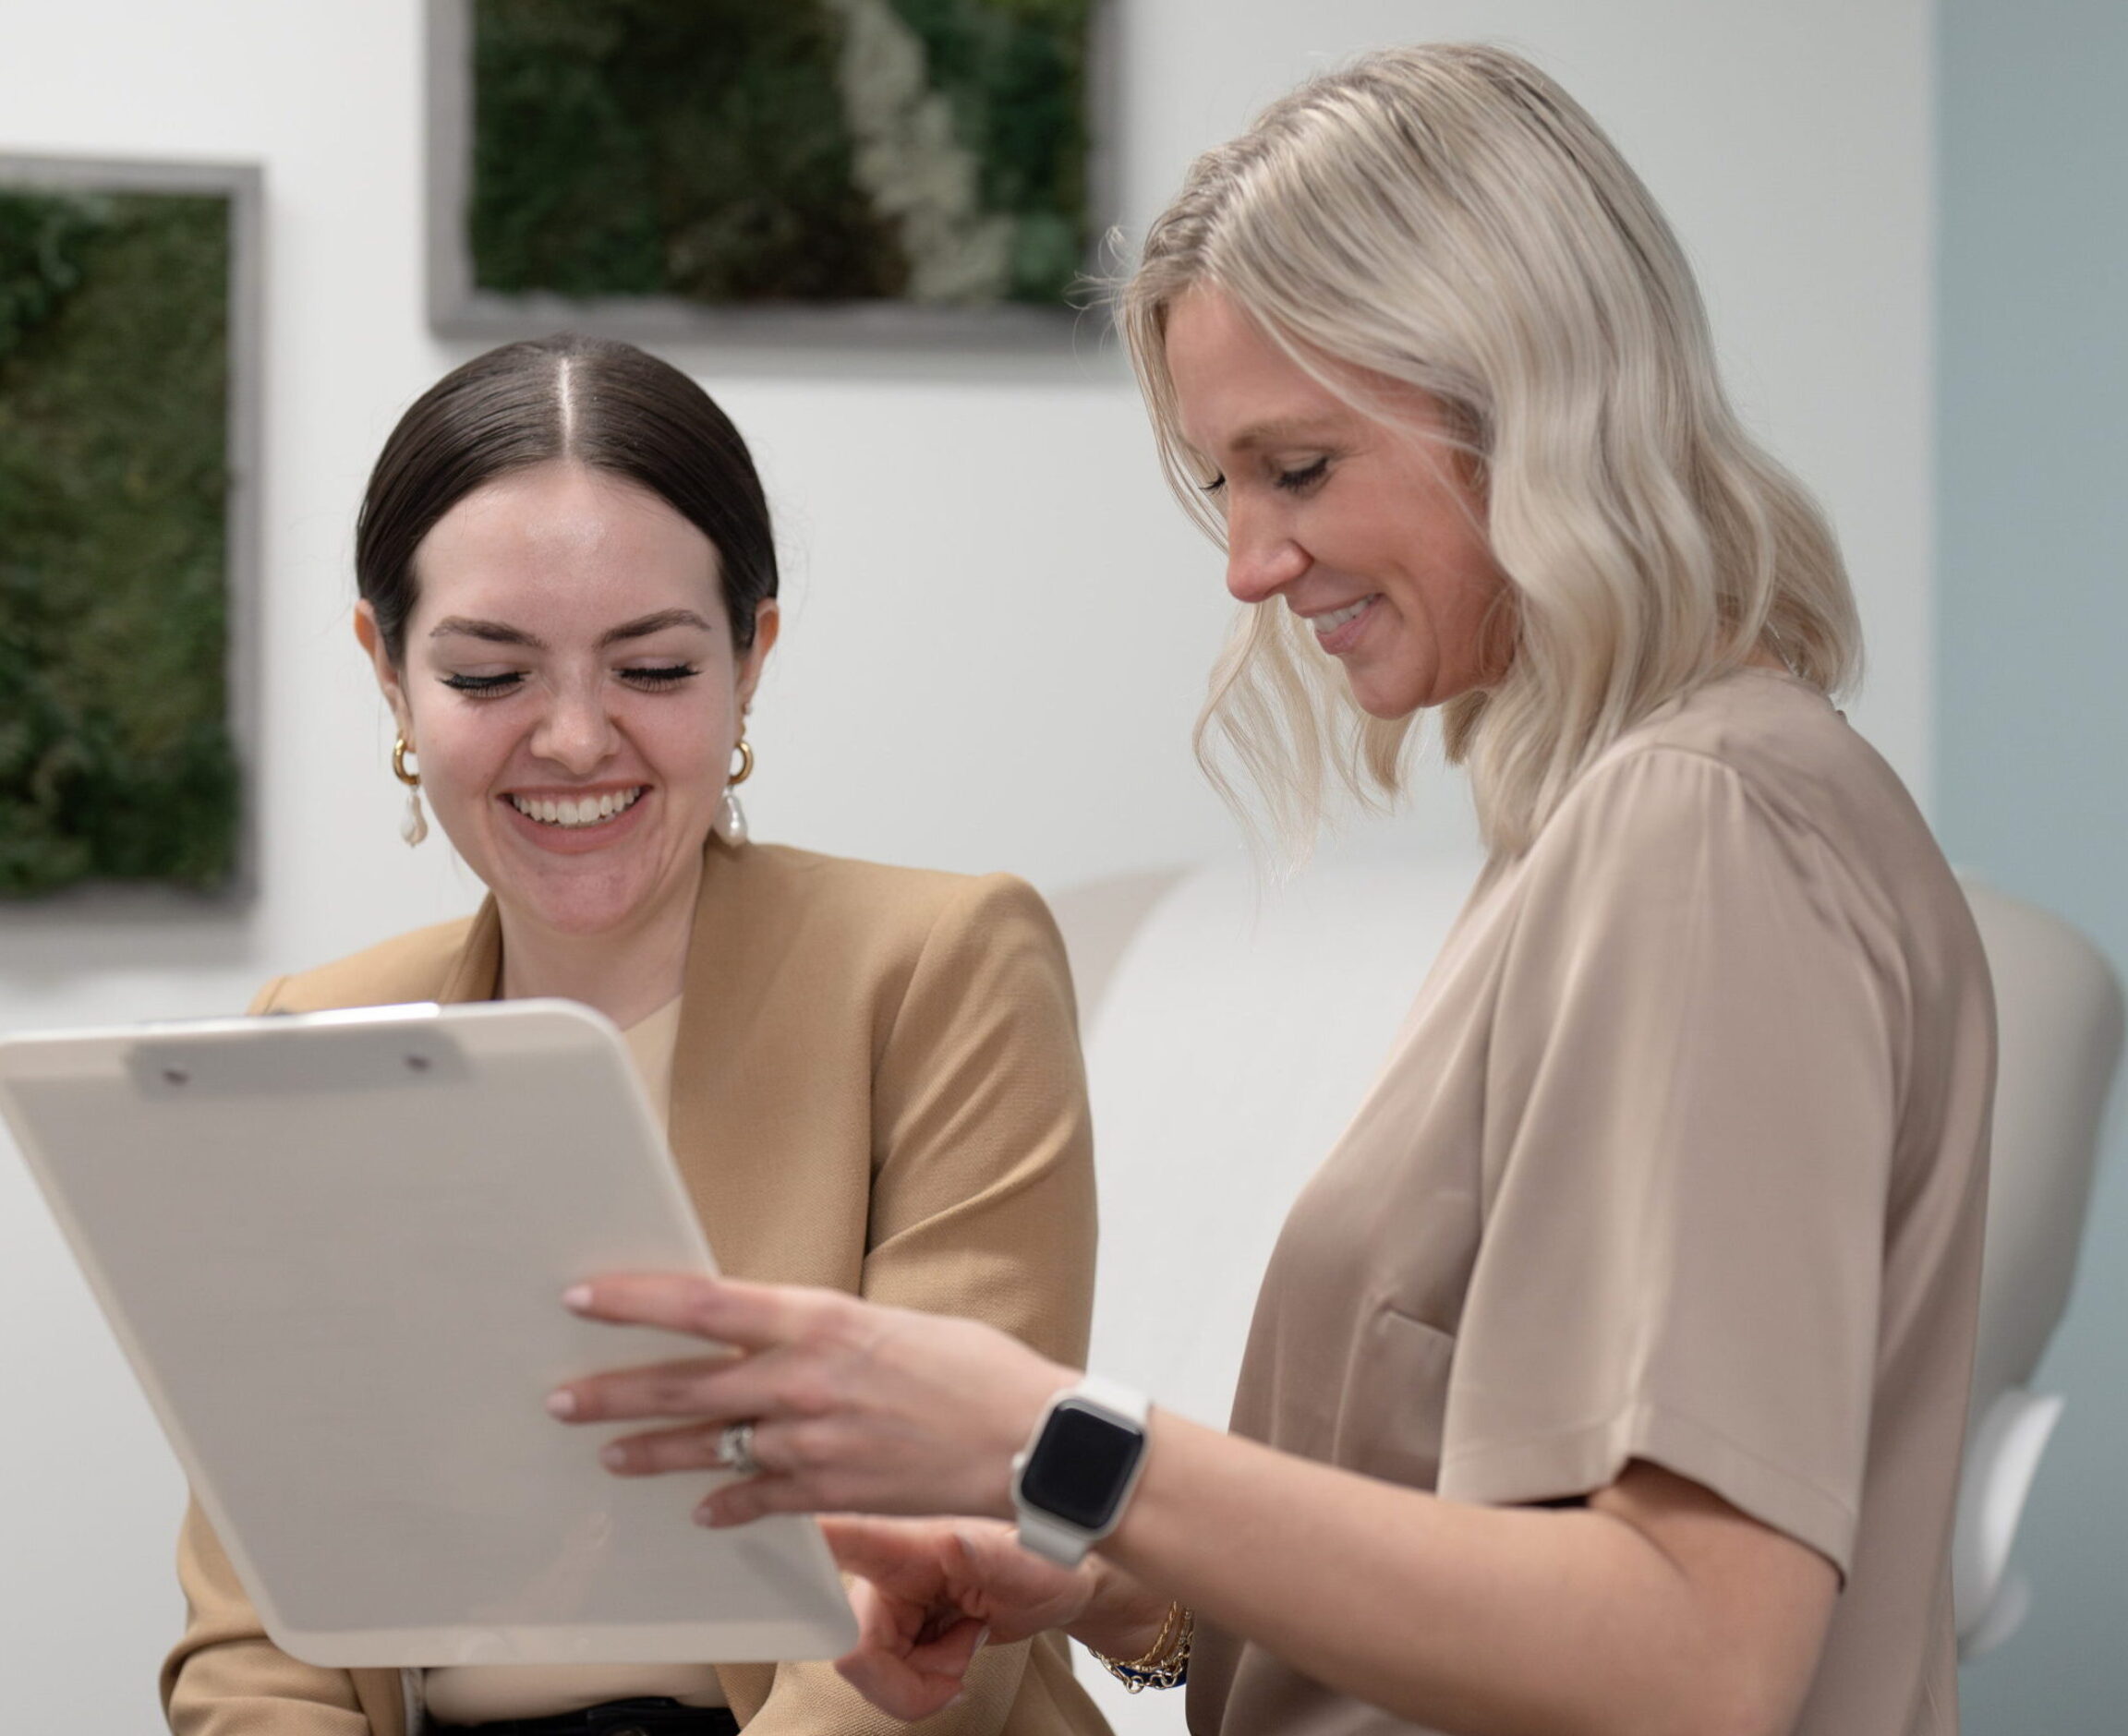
{"x":1262,"y":557}
{"x":574,"y":732}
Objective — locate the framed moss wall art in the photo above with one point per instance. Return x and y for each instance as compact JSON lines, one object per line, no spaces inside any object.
{"x":787,"y":170}
{"x":128,"y":318}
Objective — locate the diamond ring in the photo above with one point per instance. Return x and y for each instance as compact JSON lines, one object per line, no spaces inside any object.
{"x":735,"y":1449}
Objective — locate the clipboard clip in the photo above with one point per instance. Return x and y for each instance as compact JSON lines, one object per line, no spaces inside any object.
{"x":274,"y":1059}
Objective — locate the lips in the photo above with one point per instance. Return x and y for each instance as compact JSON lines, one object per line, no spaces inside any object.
{"x":1337,"y":630}
{"x":585,"y":822}
{"x":571,"y":813}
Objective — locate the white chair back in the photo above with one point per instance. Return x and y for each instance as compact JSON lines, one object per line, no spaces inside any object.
{"x":2058,"y":1007}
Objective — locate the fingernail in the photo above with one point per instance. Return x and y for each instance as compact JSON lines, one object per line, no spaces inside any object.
{"x":561,"y":1404}
{"x":613,"y":1457}
{"x":577,"y":1295}
{"x":706,"y":1515}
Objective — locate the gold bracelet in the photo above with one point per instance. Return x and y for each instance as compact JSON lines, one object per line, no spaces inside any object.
{"x":1167,"y":1661}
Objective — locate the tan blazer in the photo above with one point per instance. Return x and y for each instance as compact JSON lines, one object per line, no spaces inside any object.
{"x":878,"y":1088}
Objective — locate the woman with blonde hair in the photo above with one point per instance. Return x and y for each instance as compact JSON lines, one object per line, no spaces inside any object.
{"x":1611,"y":1373}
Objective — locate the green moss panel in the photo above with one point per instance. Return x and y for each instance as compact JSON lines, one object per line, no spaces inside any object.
{"x":701,"y":149}
{"x":115,"y":761}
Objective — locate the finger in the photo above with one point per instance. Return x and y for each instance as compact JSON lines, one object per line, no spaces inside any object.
{"x":991,"y":1557}
{"x":729,"y":1388}
{"x":752,"y":1316}
{"x":948,"y":1653}
{"x":908,"y":1681}
{"x":885,"y":1550}
{"x":697,"y":1447}
{"x":894,"y":1688}
{"x":886,"y":1621}
{"x":674,"y":1380}
{"x":755,"y":1497}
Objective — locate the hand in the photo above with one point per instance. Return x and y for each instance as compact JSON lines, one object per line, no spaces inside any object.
{"x":930,"y":1592}
{"x":855,"y":1408}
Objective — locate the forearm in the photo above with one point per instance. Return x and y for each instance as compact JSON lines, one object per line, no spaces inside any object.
{"x":1494,"y":1621}
{"x":224,"y":1675}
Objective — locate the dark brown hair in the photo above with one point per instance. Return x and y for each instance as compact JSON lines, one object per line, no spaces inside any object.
{"x":595,"y":402}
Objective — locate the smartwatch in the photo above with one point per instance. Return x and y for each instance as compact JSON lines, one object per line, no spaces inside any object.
{"x":1071,"y":1483}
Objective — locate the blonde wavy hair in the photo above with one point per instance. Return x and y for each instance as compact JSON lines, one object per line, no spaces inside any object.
{"x":1448,"y":218}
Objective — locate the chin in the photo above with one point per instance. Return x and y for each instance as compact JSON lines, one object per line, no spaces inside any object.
{"x":1386,"y":708}
{"x":597,"y":904}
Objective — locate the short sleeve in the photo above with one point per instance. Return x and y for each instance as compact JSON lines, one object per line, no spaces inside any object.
{"x":1689,"y":1121}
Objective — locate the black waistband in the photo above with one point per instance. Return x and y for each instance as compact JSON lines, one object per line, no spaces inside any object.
{"x":615,"y":1718}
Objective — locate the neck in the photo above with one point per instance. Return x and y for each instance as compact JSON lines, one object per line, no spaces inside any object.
{"x":627,"y":974}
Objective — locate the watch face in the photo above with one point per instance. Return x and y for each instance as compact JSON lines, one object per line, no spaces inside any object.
{"x":1081,"y":1465}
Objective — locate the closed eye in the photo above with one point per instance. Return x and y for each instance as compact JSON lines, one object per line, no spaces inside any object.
{"x":655,"y":679}
{"x":490,"y":685}
{"x":1301,"y":481}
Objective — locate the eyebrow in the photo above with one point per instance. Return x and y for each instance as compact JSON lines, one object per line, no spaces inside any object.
{"x":1282,"y":430}
{"x":502,"y":632}
{"x":1277,"y":431}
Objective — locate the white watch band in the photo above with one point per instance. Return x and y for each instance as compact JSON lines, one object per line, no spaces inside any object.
{"x":1112,"y":1396}
{"x":1043,"y":1533}
{"x":1052,"y":1539}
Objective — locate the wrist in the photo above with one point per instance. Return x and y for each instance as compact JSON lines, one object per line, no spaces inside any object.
{"x":1075,"y":1477}
{"x":1121,"y":1618}
{"x":1016,"y":1418}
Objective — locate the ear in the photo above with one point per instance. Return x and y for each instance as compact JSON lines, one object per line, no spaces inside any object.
{"x":370,"y":638}
{"x":768,"y":622}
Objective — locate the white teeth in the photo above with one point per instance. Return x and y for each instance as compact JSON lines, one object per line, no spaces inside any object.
{"x":1336,"y":618}
{"x":589,"y":811}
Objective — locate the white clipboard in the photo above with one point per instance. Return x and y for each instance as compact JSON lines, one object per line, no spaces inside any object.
{"x":332,"y":1247}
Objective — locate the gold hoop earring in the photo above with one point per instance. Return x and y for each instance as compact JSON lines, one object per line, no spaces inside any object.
{"x":415,"y":826}
{"x":730,"y":822}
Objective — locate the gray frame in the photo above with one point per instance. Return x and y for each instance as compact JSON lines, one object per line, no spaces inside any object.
{"x":244,"y":185}
{"x":457,"y":310}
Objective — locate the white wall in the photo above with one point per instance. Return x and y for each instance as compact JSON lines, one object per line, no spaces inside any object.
{"x":999,"y":625}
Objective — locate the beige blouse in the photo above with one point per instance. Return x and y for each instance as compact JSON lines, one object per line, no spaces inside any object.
{"x":480,"y":1693}
{"x":1679,"y":1157}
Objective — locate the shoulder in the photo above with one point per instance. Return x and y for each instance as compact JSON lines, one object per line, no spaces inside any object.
{"x":1756,"y":785}
{"x":411,"y":967}
{"x":1775,"y":751}
{"x":897,"y":907}
{"x":911,"y":945}
{"x":1775,"y":737}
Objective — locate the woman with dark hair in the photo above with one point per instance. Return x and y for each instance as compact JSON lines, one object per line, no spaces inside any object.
{"x":1610,"y":1374}
{"x":871,"y":1075}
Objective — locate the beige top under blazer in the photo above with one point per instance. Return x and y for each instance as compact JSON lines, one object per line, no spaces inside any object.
{"x":1681,"y":1156}
{"x":876,"y":1087}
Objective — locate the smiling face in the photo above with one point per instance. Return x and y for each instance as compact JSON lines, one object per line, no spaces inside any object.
{"x":572,"y":693}
{"x":1371,"y":532}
